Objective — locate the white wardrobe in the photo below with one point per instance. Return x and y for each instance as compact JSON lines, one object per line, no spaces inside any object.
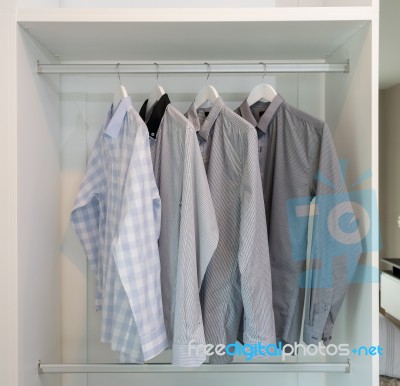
{"x":51,"y":121}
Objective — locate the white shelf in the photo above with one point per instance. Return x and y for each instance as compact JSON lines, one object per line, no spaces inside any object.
{"x":193,"y":34}
{"x":145,"y":15}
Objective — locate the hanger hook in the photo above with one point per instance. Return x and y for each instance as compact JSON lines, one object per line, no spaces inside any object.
{"x":119,"y":77}
{"x":209,"y":71}
{"x":265,"y":71}
{"x":157,"y":72}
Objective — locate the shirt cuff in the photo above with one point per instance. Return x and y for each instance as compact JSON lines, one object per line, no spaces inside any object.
{"x":313,"y":334}
{"x":154,"y":342}
{"x":136,"y":358}
{"x":262,"y":346}
{"x":188,"y":355}
{"x":221,"y":359}
{"x":327,"y":334}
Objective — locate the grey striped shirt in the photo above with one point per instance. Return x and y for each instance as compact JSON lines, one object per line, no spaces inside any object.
{"x":189,"y":231}
{"x":299,"y":162}
{"x":238,"y":276}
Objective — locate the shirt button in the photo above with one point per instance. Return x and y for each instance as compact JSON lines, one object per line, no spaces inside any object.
{"x":152,"y":134}
{"x":325,"y":308}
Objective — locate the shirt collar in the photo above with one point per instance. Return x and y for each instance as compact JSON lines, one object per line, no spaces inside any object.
{"x":108,"y":118}
{"x":246,"y":113}
{"x":204,"y":130}
{"x":266,"y":118}
{"x":157,"y":114}
{"x":114,"y":124}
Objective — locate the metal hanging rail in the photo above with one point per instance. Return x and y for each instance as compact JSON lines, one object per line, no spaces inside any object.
{"x":186,"y":68}
{"x":305,"y":367}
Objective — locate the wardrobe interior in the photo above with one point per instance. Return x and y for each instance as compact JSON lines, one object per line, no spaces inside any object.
{"x":59,"y":117}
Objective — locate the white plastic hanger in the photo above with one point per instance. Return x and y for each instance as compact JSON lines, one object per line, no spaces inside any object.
{"x":120,"y":92}
{"x":207,"y":93}
{"x":155,"y":94}
{"x":262,"y":91}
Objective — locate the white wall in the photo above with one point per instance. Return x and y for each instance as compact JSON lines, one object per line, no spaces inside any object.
{"x":389,"y":131}
{"x":352,"y":116}
{"x":37,"y":214}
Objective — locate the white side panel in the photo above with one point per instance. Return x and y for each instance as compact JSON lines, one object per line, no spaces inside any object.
{"x":12,"y":362}
{"x":38,"y":218}
{"x":384,"y":205}
{"x":5,"y":232}
{"x":351,"y":108}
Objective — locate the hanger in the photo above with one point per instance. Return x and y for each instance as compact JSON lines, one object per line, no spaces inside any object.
{"x":155,"y":94}
{"x":207,"y":93}
{"x":262,"y":91}
{"x":120,"y":92}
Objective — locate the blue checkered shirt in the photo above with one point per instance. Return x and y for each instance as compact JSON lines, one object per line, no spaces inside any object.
{"x":117,"y":216}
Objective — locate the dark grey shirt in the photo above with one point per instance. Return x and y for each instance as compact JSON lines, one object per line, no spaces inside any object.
{"x":299,"y":162}
{"x":238,"y":276}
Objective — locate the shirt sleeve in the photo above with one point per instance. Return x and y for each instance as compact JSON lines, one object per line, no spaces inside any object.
{"x":135,"y":249}
{"x":253,"y":256}
{"x":336,"y":244}
{"x":198,"y":239}
{"x":86,"y":213}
